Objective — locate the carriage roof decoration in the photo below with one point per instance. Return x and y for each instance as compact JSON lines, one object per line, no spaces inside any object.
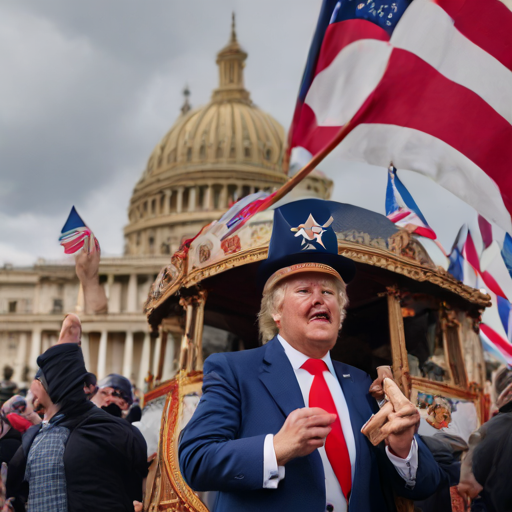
{"x":366,"y":237}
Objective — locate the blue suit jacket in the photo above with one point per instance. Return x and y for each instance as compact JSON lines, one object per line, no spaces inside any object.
{"x":249,"y":394}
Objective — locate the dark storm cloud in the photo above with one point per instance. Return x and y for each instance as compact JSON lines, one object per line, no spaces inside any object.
{"x":106,"y":84}
{"x":89,"y":88}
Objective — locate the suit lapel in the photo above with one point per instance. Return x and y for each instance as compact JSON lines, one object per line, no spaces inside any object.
{"x":278,"y":377}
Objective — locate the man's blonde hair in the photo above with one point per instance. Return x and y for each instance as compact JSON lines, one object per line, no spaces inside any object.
{"x":272,"y":302}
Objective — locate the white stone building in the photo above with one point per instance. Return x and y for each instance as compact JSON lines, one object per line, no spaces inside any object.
{"x":211,"y":157}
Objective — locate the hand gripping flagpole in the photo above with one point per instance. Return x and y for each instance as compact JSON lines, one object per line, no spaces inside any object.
{"x":262,"y":204}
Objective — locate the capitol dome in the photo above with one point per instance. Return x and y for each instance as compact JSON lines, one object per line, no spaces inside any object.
{"x":211,"y":157}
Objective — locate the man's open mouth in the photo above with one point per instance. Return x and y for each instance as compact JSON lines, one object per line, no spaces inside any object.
{"x":323,"y":316}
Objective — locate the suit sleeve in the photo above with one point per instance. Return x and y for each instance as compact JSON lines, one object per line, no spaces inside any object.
{"x":211,"y":456}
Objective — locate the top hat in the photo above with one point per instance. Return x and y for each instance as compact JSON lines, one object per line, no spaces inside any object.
{"x":303,"y":240}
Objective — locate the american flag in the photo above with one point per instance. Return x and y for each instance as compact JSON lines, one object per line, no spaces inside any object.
{"x":487,"y":271}
{"x":425,"y":84}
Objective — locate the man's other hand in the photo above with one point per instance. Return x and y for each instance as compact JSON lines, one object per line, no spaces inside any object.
{"x":87,"y":266}
{"x":71,"y":330}
{"x":403,"y":422}
{"x":303,"y":432}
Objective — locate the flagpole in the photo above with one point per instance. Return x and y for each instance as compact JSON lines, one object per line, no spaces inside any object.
{"x":310,"y":166}
{"x":253,"y":209}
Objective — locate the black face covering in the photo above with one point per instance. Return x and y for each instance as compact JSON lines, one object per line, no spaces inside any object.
{"x":113,"y":409}
{"x":64,"y":373}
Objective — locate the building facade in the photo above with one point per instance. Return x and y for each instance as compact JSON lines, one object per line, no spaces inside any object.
{"x":211,"y":157}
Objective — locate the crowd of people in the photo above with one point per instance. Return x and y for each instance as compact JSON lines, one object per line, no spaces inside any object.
{"x":280,"y":427}
{"x":69,"y":445}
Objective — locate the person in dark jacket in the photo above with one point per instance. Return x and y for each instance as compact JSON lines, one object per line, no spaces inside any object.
{"x":80,"y":458}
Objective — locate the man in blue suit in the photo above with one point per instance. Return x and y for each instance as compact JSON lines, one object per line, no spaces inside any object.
{"x":279,"y":427}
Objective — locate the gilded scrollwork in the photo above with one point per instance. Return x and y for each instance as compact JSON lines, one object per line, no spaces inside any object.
{"x":359,"y":237}
{"x":415,"y":271}
{"x":169,"y":491}
{"x":405,"y":256}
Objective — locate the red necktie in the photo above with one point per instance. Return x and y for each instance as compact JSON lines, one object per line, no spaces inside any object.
{"x":335,"y":445}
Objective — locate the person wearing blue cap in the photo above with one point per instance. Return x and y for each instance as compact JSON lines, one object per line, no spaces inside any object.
{"x":279,"y":427}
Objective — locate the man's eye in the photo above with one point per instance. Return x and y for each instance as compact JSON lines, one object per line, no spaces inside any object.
{"x":328,"y":292}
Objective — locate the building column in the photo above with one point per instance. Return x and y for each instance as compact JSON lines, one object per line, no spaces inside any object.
{"x":85,"y":349}
{"x":208,"y":198}
{"x":179,"y":202}
{"x":144,"y":361}
{"x":128,"y":355}
{"x":21,"y":357}
{"x":108,"y":287}
{"x":131,"y":304}
{"x":102,"y":355}
{"x":35,"y":350}
{"x":192,"y":198}
{"x":224,"y":197}
{"x":167,"y":204}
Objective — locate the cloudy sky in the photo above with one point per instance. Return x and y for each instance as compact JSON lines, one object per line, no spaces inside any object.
{"x":89,"y":88}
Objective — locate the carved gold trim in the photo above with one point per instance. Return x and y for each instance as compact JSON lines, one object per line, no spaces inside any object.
{"x":432,"y":387}
{"x":386,"y":260}
{"x":170,"y":437}
{"x":373,"y":256}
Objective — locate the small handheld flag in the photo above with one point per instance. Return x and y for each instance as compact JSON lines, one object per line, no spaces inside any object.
{"x":401,"y":208}
{"x":75,"y":234}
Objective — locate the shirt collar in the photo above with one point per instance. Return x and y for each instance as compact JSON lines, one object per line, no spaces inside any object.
{"x":297,"y":359}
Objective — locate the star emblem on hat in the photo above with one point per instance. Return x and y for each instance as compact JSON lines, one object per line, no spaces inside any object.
{"x":311,"y":230}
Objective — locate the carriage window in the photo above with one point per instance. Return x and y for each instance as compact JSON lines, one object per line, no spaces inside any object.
{"x":432,"y":341}
{"x":217,"y":340}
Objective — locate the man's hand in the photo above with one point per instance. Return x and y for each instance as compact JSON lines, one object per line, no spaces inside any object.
{"x":71,"y":330}
{"x":377,"y":389}
{"x":397,"y":420}
{"x":87,"y":267}
{"x":137,"y":506}
{"x":469,"y":488}
{"x":87,"y":264}
{"x":403,"y":423}
{"x":303,"y":432}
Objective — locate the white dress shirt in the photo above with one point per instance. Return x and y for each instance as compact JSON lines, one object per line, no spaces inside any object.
{"x":272,"y":474}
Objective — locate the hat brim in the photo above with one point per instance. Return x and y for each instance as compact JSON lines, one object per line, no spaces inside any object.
{"x":344,"y":267}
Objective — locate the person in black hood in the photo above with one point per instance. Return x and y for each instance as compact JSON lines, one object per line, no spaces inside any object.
{"x":80,"y":458}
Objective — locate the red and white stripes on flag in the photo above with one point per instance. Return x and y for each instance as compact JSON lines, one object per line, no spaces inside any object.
{"x":435,"y":97}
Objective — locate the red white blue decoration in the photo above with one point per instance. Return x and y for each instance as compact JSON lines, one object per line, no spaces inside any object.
{"x":402,"y":210}
{"x":425,"y":84}
{"x":75,"y":235}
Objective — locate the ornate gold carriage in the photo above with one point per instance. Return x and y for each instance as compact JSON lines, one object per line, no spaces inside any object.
{"x":404,"y":312}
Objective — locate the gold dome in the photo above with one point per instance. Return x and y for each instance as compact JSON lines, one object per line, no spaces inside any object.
{"x":211,"y":157}
{"x":228,"y":132}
